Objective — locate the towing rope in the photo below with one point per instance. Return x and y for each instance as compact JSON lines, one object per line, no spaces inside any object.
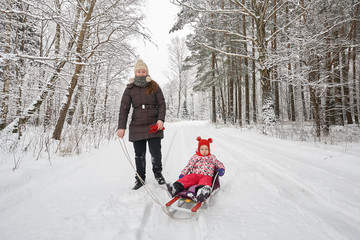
{"x":127,"y":155}
{"x":152,"y":195}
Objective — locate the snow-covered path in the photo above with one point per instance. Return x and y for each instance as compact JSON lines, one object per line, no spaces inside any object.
{"x":273,"y":189}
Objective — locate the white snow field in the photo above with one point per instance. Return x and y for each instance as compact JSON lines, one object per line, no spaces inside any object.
{"x":273,"y":189}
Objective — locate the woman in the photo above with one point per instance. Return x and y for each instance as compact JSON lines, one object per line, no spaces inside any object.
{"x":148,"y":102}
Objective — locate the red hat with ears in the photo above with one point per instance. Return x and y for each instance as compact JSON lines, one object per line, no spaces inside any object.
{"x":204,"y":142}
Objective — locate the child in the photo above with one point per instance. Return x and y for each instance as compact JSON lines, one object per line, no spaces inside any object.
{"x":200,"y":171}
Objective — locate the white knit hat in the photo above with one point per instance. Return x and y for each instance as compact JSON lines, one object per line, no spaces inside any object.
{"x":141,"y":65}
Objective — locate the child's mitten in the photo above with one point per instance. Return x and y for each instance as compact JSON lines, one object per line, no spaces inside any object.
{"x":221,"y":172}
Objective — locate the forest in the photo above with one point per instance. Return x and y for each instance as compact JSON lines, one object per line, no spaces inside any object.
{"x":276,"y":61}
{"x":268,"y":64}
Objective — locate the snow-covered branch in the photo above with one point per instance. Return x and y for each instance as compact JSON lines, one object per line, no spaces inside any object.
{"x":275,"y":10}
{"x":230,"y":33}
{"x":225,"y":53}
{"x":25,"y":13}
{"x":206,"y":10}
{"x":289,"y":23}
{"x":249,"y":12}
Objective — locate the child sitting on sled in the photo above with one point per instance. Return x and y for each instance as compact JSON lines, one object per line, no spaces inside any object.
{"x":199,"y":170}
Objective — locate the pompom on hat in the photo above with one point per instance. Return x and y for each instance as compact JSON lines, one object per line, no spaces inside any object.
{"x":140,"y":64}
{"x":204,"y":142}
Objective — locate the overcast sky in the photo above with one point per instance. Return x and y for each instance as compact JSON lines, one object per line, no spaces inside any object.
{"x":160,"y":17}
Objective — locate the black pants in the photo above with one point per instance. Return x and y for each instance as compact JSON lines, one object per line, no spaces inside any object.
{"x":140,"y":155}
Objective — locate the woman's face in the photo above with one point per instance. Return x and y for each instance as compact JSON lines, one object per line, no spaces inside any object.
{"x":141,"y":73}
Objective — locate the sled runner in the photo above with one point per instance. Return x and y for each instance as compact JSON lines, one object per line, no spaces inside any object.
{"x":186,"y":201}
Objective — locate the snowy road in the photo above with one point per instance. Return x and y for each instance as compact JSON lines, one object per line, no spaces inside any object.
{"x":273,"y":189}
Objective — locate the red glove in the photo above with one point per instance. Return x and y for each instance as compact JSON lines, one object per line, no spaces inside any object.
{"x":154,"y":128}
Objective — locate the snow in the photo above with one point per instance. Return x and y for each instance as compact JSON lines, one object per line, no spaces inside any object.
{"x":272,"y":189}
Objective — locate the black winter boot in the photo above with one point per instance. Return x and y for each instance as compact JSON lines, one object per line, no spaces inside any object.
{"x":159,"y":178}
{"x":138,"y":184}
{"x":175,"y":188}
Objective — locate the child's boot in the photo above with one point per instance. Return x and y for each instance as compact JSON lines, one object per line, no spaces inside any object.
{"x":174,"y":188}
{"x":203,"y":193}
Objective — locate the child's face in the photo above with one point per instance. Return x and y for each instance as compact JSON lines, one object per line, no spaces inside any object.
{"x":204,"y":150}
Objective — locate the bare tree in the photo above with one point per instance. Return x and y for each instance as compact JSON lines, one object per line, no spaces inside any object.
{"x":67,"y":56}
{"x":179,"y":72}
{"x":50,"y":99}
{"x":78,"y":66}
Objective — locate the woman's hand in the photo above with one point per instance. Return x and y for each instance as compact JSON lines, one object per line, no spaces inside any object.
{"x":160,"y":124}
{"x":120,"y":133}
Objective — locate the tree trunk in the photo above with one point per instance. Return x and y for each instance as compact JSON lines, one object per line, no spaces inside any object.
{"x":78,"y":66}
{"x":213,"y":90}
{"x":329,"y":118}
{"x":274,"y":72}
{"x":75,"y":102}
{"x":6,"y":73}
{"x":302,"y":89}
{"x":240,"y":98}
{"x":20,"y":66}
{"x":246,"y":74}
{"x":292,"y":102}
{"x":92,"y":96}
{"x":337,"y":94}
{"x":353,"y":50}
{"x":231,"y":92}
{"x":50,"y":99}
{"x":344,"y":78}
{"x":253,"y":81}
{"x":345,"y":91}
{"x":315,"y":110}
{"x":253,"y":70}
{"x":79,"y":92}
{"x":313,"y":77}
{"x":222,"y":100}
{"x":268,"y":112}
{"x":292,"y":115}
{"x":105,"y":101}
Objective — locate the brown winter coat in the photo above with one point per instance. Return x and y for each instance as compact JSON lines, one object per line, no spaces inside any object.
{"x":147,"y":110}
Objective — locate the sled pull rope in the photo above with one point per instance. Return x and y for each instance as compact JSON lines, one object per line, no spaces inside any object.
{"x":127,"y":155}
{"x":152,"y":195}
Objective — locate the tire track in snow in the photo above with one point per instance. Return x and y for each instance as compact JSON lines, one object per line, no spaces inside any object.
{"x":268,"y":185}
{"x":277,"y":166}
{"x":144,"y":220}
{"x":343,"y":222}
{"x":307,"y":197}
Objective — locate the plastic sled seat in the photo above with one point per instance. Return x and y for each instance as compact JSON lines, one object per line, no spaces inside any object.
{"x":186,"y":201}
{"x":190,"y":192}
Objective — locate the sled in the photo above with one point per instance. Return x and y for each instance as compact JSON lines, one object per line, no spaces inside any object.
{"x":186,"y":201}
